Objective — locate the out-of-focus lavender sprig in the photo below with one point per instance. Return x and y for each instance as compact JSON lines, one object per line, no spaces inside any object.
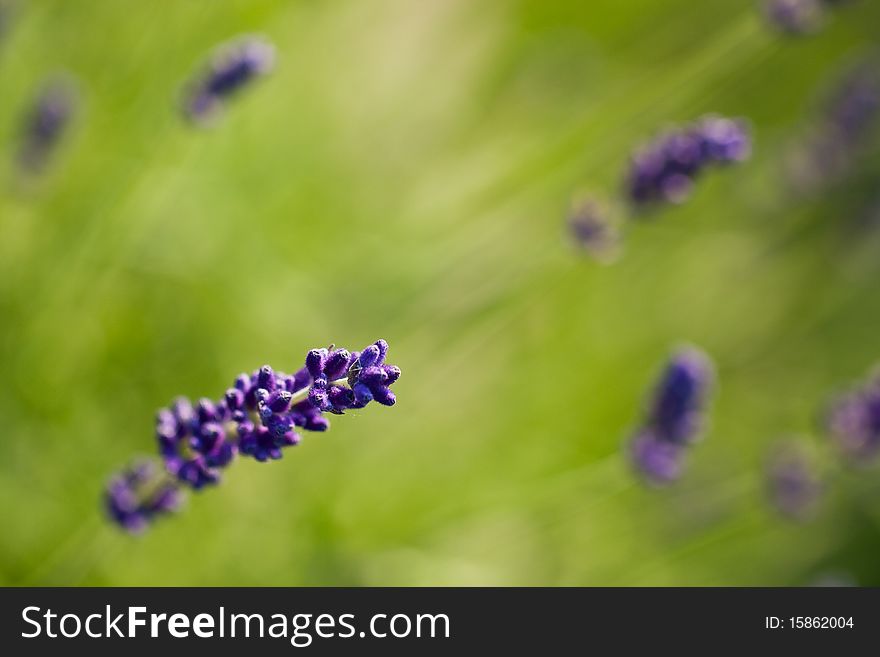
{"x":593,"y":229}
{"x":794,"y":485}
{"x":139,"y":494}
{"x":853,"y":422}
{"x":850,"y":117}
{"x":232,"y":67}
{"x":45,"y":123}
{"x":799,"y":17}
{"x":795,"y":16}
{"x":259,"y":416}
{"x":665,"y":169}
{"x":675,"y":416}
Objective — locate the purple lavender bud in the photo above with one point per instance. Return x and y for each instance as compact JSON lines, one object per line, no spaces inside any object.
{"x":675,"y":188}
{"x":278,"y":425}
{"x":794,"y":16}
{"x":183,"y":411}
{"x":373,"y":375}
{"x":207,"y":411}
{"x":234,"y":399}
{"x":266,"y":378}
{"x":290,"y":439}
{"x":166,"y":499}
{"x":279,"y":401}
{"x":261,"y":445}
{"x":316,"y":422}
{"x":315,"y":362}
{"x":362,"y":394}
{"x":336,"y":364}
{"x":392,"y":372}
{"x":167,"y":428}
{"x":233,"y":66}
{"x":658,"y":461}
{"x":246,"y":437}
{"x":207,"y":438}
{"x":646,"y":167}
{"x":299,"y":381}
{"x":590,"y":225}
{"x":307,"y":416}
{"x":680,"y":397}
{"x":369,"y":356}
{"x":221,"y":455}
{"x":383,"y":350}
{"x":725,"y":140}
{"x":172,"y":426}
{"x":683,"y":152}
{"x":383,"y":395}
{"x":243,"y":383}
{"x":193,"y":442}
{"x":197,"y":473}
{"x":318,"y":396}
{"x":793,"y":485}
{"x":340,"y":398}
{"x":139,"y":494}
{"x":45,"y":124}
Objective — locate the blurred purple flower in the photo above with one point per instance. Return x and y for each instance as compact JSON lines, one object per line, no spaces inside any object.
{"x":592,"y":229}
{"x":664,"y":170}
{"x":139,"y":494}
{"x":793,"y":483}
{"x":853,"y":422}
{"x":676,"y":409}
{"x":675,"y":416}
{"x":658,"y":460}
{"x":195,"y":441}
{"x":795,"y":16}
{"x":847,"y":122}
{"x":799,"y":17}
{"x":46,"y":122}
{"x":232,"y":67}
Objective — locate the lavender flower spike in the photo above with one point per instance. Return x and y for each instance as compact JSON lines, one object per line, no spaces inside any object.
{"x":674,"y":418}
{"x":45,"y":124}
{"x":676,"y":409}
{"x":258,"y":417}
{"x":665,"y":170}
{"x":795,"y":16}
{"x":837,"y":141}
{"x":233,"y":66}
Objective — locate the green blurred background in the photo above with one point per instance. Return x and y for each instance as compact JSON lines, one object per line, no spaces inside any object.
{"x":405,"y":173}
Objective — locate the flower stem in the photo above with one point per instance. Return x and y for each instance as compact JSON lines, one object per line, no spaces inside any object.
{"x":303,"y":394}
